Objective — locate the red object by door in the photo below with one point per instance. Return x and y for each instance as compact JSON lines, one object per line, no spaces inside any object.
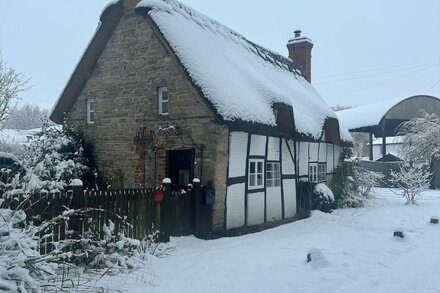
{"x":158,"y":196}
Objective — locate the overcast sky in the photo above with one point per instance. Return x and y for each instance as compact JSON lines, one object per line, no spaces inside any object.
{"x":365,"y":51}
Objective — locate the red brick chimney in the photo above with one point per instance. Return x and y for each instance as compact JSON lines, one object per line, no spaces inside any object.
{"x":129,"y":6}
{"x":300,"y":51}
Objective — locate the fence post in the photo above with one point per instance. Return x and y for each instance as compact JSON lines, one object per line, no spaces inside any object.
{"x":77,"y":203}
{"x":197,"y":201}
{"x":164,"y":235}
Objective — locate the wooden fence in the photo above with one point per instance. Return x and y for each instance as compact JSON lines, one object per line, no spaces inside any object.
{"x":132,"y":211}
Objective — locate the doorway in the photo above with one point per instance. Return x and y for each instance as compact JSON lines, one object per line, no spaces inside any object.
{"x":181,"y":168}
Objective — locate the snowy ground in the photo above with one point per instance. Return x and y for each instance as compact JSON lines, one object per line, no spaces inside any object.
{"x":353,"y":250}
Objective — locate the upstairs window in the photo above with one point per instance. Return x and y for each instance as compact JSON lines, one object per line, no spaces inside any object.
{"x":91,"y":111}
{"x":256,"y":173}
{"x":163,"y":100}
{"x":273,"y":174}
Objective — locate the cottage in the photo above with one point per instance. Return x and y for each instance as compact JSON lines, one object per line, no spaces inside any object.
{"x":164,"y":91}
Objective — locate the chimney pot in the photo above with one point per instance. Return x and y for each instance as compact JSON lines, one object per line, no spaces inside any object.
{"x":297,"y":33}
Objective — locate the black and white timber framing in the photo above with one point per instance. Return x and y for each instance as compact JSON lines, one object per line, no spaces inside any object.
{"x":246,"y":206}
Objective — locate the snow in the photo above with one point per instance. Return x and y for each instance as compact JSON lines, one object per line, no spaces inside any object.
{"x":367,"y":115}
{"x":9,"y":156}
{"x":322,"y":189}
{"x":166,"y":181}
{"x":76,"y":182}
{"x":196,"y":180}
{"x":352,"y":250}
{"x":18,"y":136}
{"x":343,"y":131}
{"x":300,"y":39}
{"x":389,"y":140}
{"x":239,"y":78}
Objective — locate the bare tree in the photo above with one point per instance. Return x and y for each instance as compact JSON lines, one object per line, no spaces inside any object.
{"x":12,"y":84}
{"x":421,"y":137}
{"x":411,"y":181}
{"x":26,"y":117}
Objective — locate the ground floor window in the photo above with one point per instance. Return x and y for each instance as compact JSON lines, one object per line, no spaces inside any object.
{"x":313,"y":172}
{"x":317,"y":172}
{"x":256,"y":173}
{"x":273,"y":174}
{"x":322,"y":172}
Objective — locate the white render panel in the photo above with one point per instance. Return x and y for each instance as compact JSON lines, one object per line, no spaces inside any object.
{"x":288,"y":165}
{"x":258,"y":145}
{"x":235,"y":206}
{"x":330,"y":151}
{"x":338,"y":151}
{"x":313,"y":155}
{"x":303,"y":158}
{"x":255,"y":213}
{"x":273,"y":204}
{"x":337,"y":155}
{"x":289,"y":186}
{"x":322,"y":152}
{"x":237,"y":154}
{"x":273,"y":149}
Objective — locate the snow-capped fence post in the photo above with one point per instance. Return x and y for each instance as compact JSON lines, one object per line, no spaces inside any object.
{"x":76,"y":186}
{"x":196,"y":202}
{"x":164,"y":235}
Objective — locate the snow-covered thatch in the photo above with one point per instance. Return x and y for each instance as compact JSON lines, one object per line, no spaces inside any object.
{"x":239,"y":78}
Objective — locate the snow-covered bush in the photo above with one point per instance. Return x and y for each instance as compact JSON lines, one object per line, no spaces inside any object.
{"x":115,"y":251}
{"x":366,"y":180}
{"x":323,"y":197}
{"x":411,"y":180}
{"x":21,"y":266}
{"x":421,"y":137}
{"x":344,"y":186}
{"x":50,"y":161}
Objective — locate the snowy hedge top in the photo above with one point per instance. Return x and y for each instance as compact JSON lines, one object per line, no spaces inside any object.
{"x":389,"y":140}
{"x":17,"y":135}
{"x":238,"y":77}
{"x":368,"y":115}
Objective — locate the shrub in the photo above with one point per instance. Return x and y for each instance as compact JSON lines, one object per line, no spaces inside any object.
{"x":323,"y":198}
{"x":411,"y":181}
{"x":344,"y":186}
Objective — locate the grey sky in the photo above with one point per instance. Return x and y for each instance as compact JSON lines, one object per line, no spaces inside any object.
{"x":365,"y":51}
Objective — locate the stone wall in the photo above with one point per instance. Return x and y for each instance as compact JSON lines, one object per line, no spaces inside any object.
{"x":124,"y":84}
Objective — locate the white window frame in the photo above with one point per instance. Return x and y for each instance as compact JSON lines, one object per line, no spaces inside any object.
{"x":161,"y":101}
{"x":253,"y":177}
{"x":322,"y":172}
{"x":91,"y":110}
{"x":313,"y":172}
{"x":273,"y":174}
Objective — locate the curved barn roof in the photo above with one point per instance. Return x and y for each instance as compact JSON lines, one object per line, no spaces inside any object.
{"x":369,"y":117}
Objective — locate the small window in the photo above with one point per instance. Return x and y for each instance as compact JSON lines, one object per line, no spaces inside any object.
{"x":163,"y":101}
{"x":313,"y":172}
{"x":322,"y":172}
{"x":273,"y":175}
{"x":256,"y":173}
{"x":91,"y":111}
{"x":317,"y":172}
